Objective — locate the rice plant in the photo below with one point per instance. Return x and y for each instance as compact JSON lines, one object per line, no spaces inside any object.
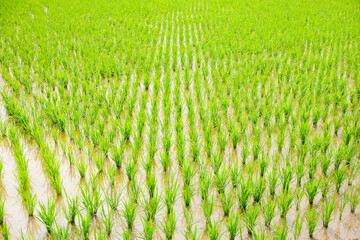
{"x":148,"y":229}
{"x":2,"y":210}
{"x":285,"y":203}
{"x":84,"y":225}
{"x":311,"y":190}
{"x":81,"y":166}
{"x":61,"y":232}
{"x":113,"y":198}
{"x":268,"y":211}
{"x":214,"y":231}
{"x":298,"y":225}
{"x":151,"y":207}
{"x":312,"y":219}
{"x":258,"y":189}
{"x":250,"y":219}
{"x":233,"y":225}
{"x":343,"y":202}
{"x":107,"y":218}
{"x":188,"y":192}
{"x":244,"y":192}
{"x":5,"y":230}
{"x":354,"y":198}
{"x":91,"y":201}
{"x":47,"y":214}
{"x":281,"y":231}
{"x":339,"y":177}
{"x":129,"y":212}
{"x":226,"y":202}
{"x":169,"y":225}
{"x":71,"y":210}
{"x":327,"y":211}
{"x":170,"y":194}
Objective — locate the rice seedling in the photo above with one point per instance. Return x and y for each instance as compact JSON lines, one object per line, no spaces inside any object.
{"x":134,"y":190}
{"x":131,"y":169}
{"x":354,"y":170}
{"x":325,"y":164}
{"x":263,"y":163}
{"x":47,"y":214}
{"x":312,"y":218}
{"x":281,"y":231}
{"x":273,"y":180}
{"x":126,"y":130}
{"x":188,"y":193}
{"x":268,"y":211}
{"x":221,"y":181}
{"x":233,"y":225}
{"x":343,"y":202}
{"x":234,"y":174}
{"x":100,"y":162}
{"x":299,"y":196}
{"x":339,"y":177}
{"x":325,"y":187}
{"x":354,"y":198}
{"x":98,"y":233}
{"x":91,"y":201}
{"x":214,"y":231}
{"x":81,"y":166}
{"x":1,"y":167}
{"x":127,"y":234}
{"x":30,"y":201}
{"x":298,"y":225}
{"x":107,"y":218}
{"x":113,"y":198}
{"x":149,"y":228}
{"x":244,"y":192}
{"x":258,"y":189}
{"x":2,"y":210}
{"x":286,"y":175}
{"x":250,"y":219}
{"x":84,"y":225}
{"x":226,"y":202}
{"x":117,"y":155}
{"x":235,"y":136}
{"x":111,"y":174}
{"x":61,"y":232}
{"x":256,"y":149}
{"x":169,"y":225}
{"x":311,"y":188}
{"x":204,"y":185}
{"x":170,"y":194}
{"x":244,"y":152}
{"x":327,"y":211}
{"x":71,"y":210}
{"x":285,"y":203}
{"x":151,"y":184}
{"x":5,"y":230}
{"x":312,"y":164}
{"x":208,"y":208}
{"x":151,"y":207}
{"x":165,"y":161}
{"x":216,"y":162}
{"x":188,"y":172}
{"x":129,"y":212}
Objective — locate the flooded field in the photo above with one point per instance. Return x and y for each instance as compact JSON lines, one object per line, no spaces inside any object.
{"x":179,"y":120}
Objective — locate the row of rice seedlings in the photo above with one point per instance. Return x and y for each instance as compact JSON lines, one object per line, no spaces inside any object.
{"x":51,"y":163}
{"x":22,"y":176}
